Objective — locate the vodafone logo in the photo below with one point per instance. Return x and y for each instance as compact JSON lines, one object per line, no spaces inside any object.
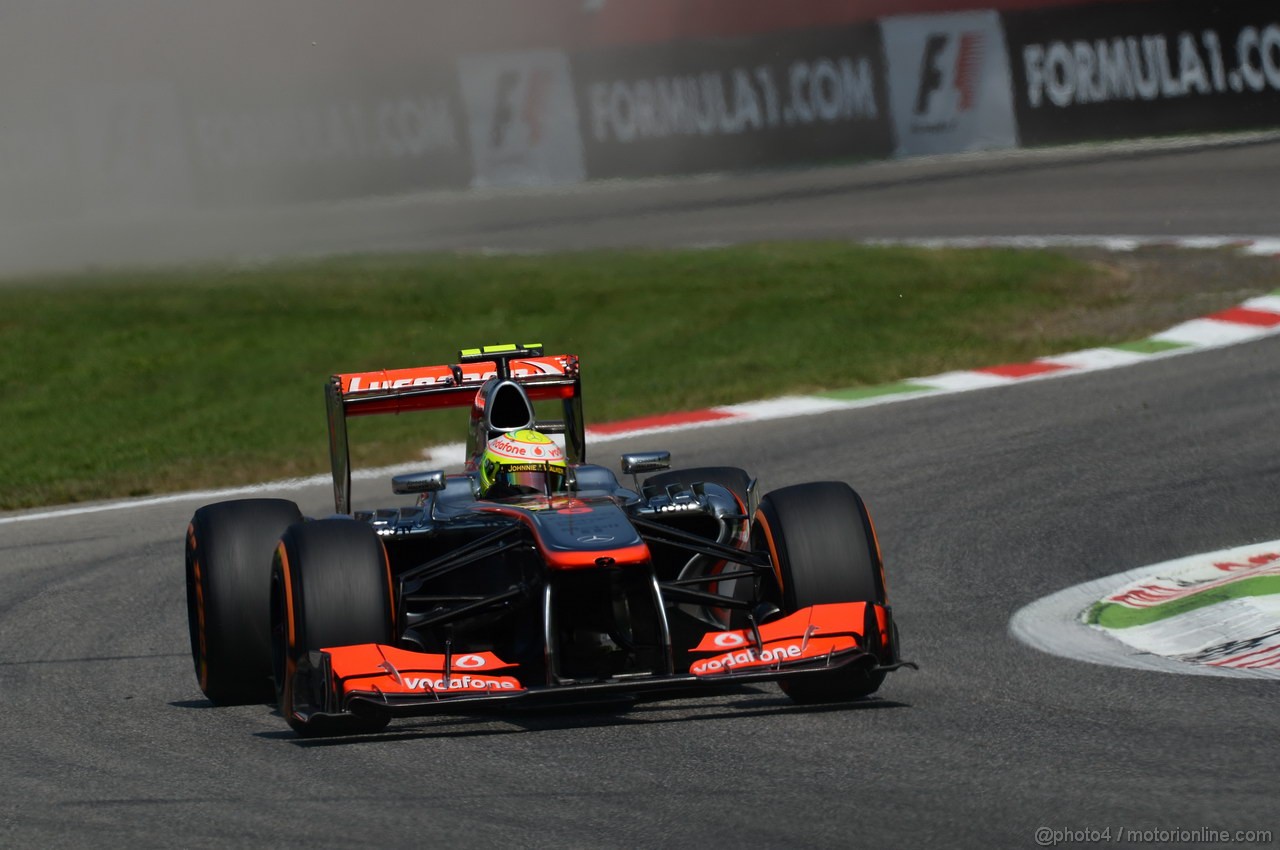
{"x":460,"y":683}
{"x":468,"y":662}
{"x":508,"y":448}
{"x":746,"y":658}
{"x":517,"y":447}
{"x":729,"y":640}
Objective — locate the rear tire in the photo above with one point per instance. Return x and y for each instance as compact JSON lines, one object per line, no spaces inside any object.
{"x":824,"y":549}
{"x":228,"y":568}
{"x":733,"y":479}
{"x":330,"y":586}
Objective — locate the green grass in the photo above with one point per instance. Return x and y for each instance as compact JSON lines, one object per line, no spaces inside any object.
{"x":128,"y":384}
{"x":1113,"y":616}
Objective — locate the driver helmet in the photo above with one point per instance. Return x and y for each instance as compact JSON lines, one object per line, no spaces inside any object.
{"x":520,"y":463}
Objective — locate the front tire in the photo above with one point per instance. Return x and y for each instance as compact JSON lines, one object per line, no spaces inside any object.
{"x":330,"y":586}
{"x":228,"y":569}
{"x":824,"y":550}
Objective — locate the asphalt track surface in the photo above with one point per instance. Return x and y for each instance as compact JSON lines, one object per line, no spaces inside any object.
{"x":1186,"y":187}
{"x":984,"y":502}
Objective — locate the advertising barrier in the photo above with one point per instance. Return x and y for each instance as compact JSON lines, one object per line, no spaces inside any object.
{"x":288,"y":142}
{"x":949,"y":83}
{"x":610,"y":88}
{"x":523,"y":121}
{"x":733,"y":103}
{"x":607,"y":23}
{"x":1137,"y":69}
{"x":117,"y":148}
{"x":129,"y":147}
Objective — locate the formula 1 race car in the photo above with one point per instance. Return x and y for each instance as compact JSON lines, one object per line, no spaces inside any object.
{"x":574,"y":590}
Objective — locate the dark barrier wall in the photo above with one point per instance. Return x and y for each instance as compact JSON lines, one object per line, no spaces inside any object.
{"x":796,"y":96}
{"x":613,"y":22}
{"x":392,"y":129}
{"x":148,"y":106}
{"x":1138,"y":69}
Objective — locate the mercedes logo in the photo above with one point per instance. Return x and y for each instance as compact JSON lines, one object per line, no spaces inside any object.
{"x":594,"y":538}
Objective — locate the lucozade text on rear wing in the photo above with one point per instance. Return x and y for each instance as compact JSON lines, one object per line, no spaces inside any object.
{"x":462,"y":384}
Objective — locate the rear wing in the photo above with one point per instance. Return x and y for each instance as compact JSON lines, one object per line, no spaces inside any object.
{"x":474,"y":382}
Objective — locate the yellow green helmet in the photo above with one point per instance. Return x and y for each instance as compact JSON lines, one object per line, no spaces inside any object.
{"x":521,"y":462}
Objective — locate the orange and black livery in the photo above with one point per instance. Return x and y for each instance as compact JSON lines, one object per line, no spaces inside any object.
{"x":669,"y":582}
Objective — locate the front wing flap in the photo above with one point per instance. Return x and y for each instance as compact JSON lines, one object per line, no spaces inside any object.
{"x":372,"y":678}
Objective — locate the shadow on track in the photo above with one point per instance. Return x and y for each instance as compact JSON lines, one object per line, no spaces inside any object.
{"x":94,"y":659}
{"x":747,"y":705}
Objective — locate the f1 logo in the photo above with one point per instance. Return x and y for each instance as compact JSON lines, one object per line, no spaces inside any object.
{"x":963,"y":76}
{"x":504,"y":113}
{"x":515,"y":103}
{"x":522,"y":119}
{"x":930,"y":73}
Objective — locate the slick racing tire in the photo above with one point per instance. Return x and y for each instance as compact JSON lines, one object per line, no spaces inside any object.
{"x":330,"y":586}
{"x":824,"y":550}
{"x":733,"y":479}
{"x":228,"y":566}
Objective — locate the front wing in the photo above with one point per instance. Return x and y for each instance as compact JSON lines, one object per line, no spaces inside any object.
{"x":370,"y":679}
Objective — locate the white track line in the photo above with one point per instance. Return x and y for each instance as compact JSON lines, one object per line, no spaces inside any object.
{"x":1197,"y":333}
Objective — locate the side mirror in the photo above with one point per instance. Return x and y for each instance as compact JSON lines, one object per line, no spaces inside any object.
{"x":633,"y":464}
{"x":418,"y":482}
